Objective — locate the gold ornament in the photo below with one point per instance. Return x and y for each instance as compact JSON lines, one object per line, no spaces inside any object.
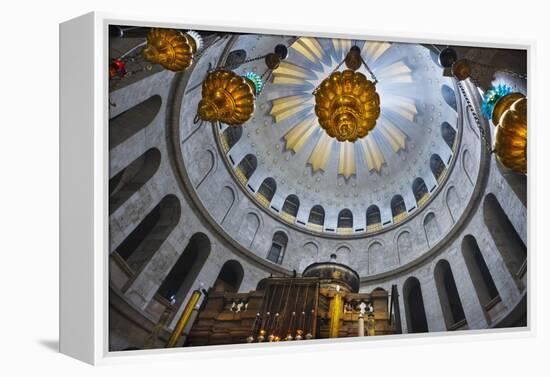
{"x":170,"y":48}
{"x":227,"y":97}
{"x":461,"y":69}
{"x":510,"y":118}
{"x":347,"y":105}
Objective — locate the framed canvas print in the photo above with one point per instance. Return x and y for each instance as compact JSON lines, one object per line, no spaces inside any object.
{"x":257,"y":188}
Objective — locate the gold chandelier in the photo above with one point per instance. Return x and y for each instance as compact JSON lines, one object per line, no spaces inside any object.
{"x":346,"y":103}
{"x":227,"y":97}
{"x":510,"y":118}
{"x":230,"y":98}
{"x":172,"y":49}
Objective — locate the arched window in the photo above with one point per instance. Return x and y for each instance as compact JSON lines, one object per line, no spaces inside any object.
{"x":414,"y":306}
{"x":420,"y":191}
{"x":278,"y":246}
{"x":449,"y":96}
{"x":185,"y":271}
{"x":140,"y":245}
{"x":130,"y":179}
{"x":448,"y":133}
{"x":247,"y":167}
{"x":374,"y":220}
{"x":482,"y":280}
{"x":345,"y":219}
{"x":398,"y":209}
{"x":291,"y":205}
{"x":267,"y":189}
{"x":508,"y":242}
{"x":449,"y":299}
{"x":437,"y":166}
{"x":128,"y":123}
{"x":317,"y":215}
{"x":230,"y":277}
{"x":230,"y":136}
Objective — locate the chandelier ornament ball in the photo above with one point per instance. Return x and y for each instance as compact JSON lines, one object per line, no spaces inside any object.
{"x":461,"y":69}
{"x":347,"y":105}
{"x":447,"y":57}
{"x":172,"y":49}
{"x":228,"y":97}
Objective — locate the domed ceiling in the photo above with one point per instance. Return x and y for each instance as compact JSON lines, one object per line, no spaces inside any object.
{"x":290,"y":147}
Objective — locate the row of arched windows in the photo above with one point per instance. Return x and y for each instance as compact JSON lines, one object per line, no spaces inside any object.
{"x":291,"y":205}
{"x":512,"y":251}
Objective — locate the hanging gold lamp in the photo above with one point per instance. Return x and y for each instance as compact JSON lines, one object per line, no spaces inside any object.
{"x":172,"y":49}
{"x":228,"y":97}
{"x":347,"y":105}
{"x":510,"y":146}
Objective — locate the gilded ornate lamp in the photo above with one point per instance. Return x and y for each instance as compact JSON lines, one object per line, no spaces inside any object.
{"x":346,"y":103}
{"x":230,"y":98}
{"x":510,"y":118}
{"x":172,"y":49}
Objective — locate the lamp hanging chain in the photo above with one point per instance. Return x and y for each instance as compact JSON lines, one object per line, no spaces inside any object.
{"x":371,"y":73}
{"x":334,"y":70}
{"x":369,"y":70}
{"x":470,"y":107}
{"x":232,"y":66}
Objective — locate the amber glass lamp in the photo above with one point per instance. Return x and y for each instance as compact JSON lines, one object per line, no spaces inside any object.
{"x":227,"y":98}
{"x":510,"y":146}
{"x":347,"y":105}
{"x":172,"y":49}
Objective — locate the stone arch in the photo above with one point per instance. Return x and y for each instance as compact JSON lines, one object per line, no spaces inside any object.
{"x":249,"y":229}
{"x":130,"y":122}
{"x":291,"y":205}
{"x":420,"y":191}
{"x":278,"y":247}
{"x":376,"y":257}
{"x":448,"y":133}
{"x":130,"y":179}
{"x":343,"y":254}
{"x":468,"y":165}
{"x":517,"y":182}
{"x":204,"y":164}
{"x":230,"y":277}
{"x":415,"y":313}
{"x":453,"y":202}
{"x":183,"y":274}
{"x":482,"y":280}
{"x":317,"y":215}
{"x":311,"y":254}
{"x":508,"y":242}
{"x":405,"y":246}
{"x":374,"y":218}
{"x":247,"y":166}
{"x":142,"y":243}
{"x":449,"y":299}
{"x":449,"y":96}
{"x":398,"y":207}
{"x":345,"y":219}
{"x":437,"y":166}
{"x":226,"y":200}
{"x":231,"y":136}
{"x":267,"y":189}
{"x":432,"y":229}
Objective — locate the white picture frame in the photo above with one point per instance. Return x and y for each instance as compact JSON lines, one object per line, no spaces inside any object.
{"x":84,"y":181}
